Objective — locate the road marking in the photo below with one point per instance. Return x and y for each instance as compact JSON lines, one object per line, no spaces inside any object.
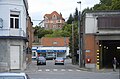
{"x":39,"y":70}
{"x":63,"y":70}
{"x":47,"y":70}
{"x":70,"y":70}
{"x":77,"y":70}
{"x":55,"y":70}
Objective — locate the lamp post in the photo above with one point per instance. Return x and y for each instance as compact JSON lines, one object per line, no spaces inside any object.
{"x":79,"y":36}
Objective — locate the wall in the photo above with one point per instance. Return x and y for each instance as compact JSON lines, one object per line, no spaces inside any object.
{"x":5,"y":51}
{"x":90,"y":24}
{"x":92,"y":34}
{"x":12,"y":5}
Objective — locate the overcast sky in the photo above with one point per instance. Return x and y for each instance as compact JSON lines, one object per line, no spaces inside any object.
{"x":38,"y":8}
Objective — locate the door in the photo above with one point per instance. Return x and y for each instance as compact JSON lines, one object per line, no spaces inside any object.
{"x":14,"y":57}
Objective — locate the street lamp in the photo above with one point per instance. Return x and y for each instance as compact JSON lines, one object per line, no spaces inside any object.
{"x":79,"y":38}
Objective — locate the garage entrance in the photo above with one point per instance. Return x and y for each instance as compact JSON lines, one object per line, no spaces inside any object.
{"x":108,"y":50}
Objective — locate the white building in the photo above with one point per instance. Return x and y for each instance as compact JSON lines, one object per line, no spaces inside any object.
{"x":13,"y":23}
{"x":52,"y":47}
{"x":58,"y":51}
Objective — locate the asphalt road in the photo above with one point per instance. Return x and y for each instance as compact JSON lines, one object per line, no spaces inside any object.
{"x":67,"y":71}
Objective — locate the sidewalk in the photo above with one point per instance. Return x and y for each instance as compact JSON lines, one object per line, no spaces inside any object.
{"x":104,"y":70}
{"x":32,"y":67}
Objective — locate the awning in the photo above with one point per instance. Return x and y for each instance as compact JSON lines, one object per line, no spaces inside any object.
{"x":54,"y":51}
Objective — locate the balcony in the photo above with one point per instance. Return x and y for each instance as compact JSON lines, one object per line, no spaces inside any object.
{"x":12,"y":32}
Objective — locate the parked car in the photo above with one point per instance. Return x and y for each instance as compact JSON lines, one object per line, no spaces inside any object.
{"x":9,"y":75}
{"x":41,"y":60}
{"x":59,"y":60}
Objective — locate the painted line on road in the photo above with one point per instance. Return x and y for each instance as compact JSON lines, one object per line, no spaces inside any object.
{"x":78,"y":70}
{"x":47,"y":70}
{"x":63,"y":70}
{"x":70,"y":70}
{"x":40,"y":70}
{"x":55,"y":69}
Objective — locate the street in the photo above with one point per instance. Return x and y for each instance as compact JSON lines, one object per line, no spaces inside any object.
{"x":67,"y":71}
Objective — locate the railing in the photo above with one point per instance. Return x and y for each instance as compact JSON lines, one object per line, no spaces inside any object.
{"x":12,"y":32}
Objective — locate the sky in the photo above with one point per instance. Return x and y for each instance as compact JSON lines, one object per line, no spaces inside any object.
{"x":38,"y":8}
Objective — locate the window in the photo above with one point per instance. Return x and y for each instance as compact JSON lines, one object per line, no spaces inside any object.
{"x":108,"y":22}
{"x":34,"y":54}
{"x":14,"y":20}
{"x":54,"y":17}
{"x":58,"y":21}
{"x":55,"y":42}
{"x":54,"y":26}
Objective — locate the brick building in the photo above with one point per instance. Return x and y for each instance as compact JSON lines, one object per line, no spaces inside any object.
{"x":30,"y":34}
{"x":53,"y":21}
{"x":101,"y":38}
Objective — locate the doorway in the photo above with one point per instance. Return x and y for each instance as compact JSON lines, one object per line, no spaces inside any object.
{"x":108,"y":50}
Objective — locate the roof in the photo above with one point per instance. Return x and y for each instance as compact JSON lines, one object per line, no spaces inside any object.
{"x":12,"y":74}
{"x":49,"y":16}
{"x":102,"y":11}
{"x":57,"y":41}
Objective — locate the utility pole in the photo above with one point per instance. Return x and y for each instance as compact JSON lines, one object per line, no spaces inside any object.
{"x":72,"y":43}
{"x":79,"y":36}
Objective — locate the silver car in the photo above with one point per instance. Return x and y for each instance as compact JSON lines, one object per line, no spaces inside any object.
{"x":14,"y":76}
{"x":59,"y":60}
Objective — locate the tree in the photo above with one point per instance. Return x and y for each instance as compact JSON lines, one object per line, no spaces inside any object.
{"x":41,"y":32}
{"x":76,"y":15}
{"x":107,"y":5}
{"x":106,"y":2}
{"x":115,"y":5}
{"x":86,"y":9}
{"x":70,"y":19}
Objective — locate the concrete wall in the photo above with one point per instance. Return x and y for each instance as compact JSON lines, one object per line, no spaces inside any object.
{"x":91,"y":22}
{"x":5,"y":52}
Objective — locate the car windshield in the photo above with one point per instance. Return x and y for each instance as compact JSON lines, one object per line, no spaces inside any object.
{"x":59,"y":58}
{"x":41,"y":57}
{"x":12,"y":77}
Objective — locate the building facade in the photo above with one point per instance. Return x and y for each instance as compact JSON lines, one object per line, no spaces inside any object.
{"x":30,"y":35}
{"x":53,"y":21}
{"x":101,"y":38}
{"x":56,"y":47}
{"x":13,"y":35}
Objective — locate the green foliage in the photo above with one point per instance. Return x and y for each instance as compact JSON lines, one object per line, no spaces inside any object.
{"x":115,"y":5}
{"x":105,"y":5}
{"x":101,"y":7}
{"x":70,"y":19}
{"x":41,"y":32}
{"x":106,"y":2}
{"x":76,"y":15}
{"x":86,"y":9}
